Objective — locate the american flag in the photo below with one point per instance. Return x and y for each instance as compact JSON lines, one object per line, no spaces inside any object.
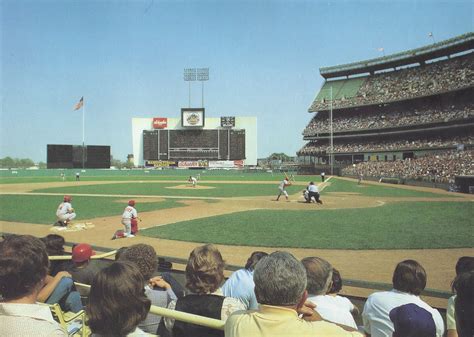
{"x":79,"y":104}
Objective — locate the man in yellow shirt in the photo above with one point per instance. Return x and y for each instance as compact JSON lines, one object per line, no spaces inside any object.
{"x":280,"y":288}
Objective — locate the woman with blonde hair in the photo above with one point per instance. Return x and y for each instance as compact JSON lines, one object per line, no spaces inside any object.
{"x":204,"y":276}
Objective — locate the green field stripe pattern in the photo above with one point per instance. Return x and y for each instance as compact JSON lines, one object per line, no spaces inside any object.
{"x":228,"y":190}
{"x":406,"y":225}
{"x":42,"y":209}
{"x":385,"y":190}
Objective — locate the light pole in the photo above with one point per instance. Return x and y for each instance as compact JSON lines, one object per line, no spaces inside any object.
{"x":189,"y":76}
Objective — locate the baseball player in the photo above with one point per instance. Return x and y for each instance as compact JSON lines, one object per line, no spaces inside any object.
{"x":282,"y":189}
{"x":129,"y":219}
{"x":192,"y":180}
{"x":65,"y":212}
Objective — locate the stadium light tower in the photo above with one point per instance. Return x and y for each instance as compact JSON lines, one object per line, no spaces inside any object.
{"x":189,"y":76}
{"x":331,"y":138}
{"x":202,"y":76}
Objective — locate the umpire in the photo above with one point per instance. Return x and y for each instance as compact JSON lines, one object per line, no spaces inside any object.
{"x":313,"y":191}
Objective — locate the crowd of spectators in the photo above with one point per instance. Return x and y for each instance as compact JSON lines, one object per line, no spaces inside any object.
{"x":441,"y":167}
{"x":389,"y":117}
{"x":431,"y":78}
{"x":316,"y":147}
{"x":294,"y":298}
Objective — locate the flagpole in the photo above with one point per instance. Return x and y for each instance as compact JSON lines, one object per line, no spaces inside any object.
{"x":83,"y":133}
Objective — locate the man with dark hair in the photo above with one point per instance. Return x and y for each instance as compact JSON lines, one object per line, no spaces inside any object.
{"x":240,"y":284}
{"x":144,"y":257}
{"x":464,"y":304}
{"x":409,"y":280}
{"x":280,"y":288}
{"x":23,"y":268}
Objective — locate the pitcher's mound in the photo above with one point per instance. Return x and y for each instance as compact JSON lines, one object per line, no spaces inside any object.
{"x":187,"y":187}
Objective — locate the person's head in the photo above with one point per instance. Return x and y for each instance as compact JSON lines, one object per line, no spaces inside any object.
{"x":410,"y":320}
{"x":319,"y":273}
{"x":463,"y":304}
{"x":82,"y":253}
{"x":54,"y":244}
{"x":131,"y":203}
{"x":311,"y":183}
{"x":23,"y":266}
{"x":119,"y":252}
{"x":410,"y":277}
{"x":336,"y":285}
{"x":464,"y":264}
{"x":280,"y":280}
{"x":117,"y":301}
{"x":67,"y":198}
{"x":253,"y":259}
{"x":205,"y":270}
{"x":143,"y":256}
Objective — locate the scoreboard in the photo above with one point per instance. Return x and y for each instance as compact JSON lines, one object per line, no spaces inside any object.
{"x":194,"y":144}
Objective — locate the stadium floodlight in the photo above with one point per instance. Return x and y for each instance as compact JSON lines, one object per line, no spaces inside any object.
{"x":189,"y":76}
{"x":202,"y":76}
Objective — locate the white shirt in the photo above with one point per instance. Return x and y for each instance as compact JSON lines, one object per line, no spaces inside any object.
{"x":129,"y":213}
{"x":63,"y":208}
{"x":378,"y":306}
{"x":336,"y":309}
{"x":283,"y":184}
{"x":17,"y":319}
{"x":313,"y":188}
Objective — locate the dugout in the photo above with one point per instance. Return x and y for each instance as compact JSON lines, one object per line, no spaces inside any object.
{"x":465,"y":184}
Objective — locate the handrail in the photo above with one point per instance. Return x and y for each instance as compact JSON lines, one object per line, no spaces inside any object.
{"x":93,"y":257}
{"x":188,"y":318}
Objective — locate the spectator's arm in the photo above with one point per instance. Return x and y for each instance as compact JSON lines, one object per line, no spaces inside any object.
{"x":50,"y":284}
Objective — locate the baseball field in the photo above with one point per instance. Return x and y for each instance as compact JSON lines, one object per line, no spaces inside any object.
{"x":363,"y":230}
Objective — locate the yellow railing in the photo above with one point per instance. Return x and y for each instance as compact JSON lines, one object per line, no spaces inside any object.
{"x":69,"y":257}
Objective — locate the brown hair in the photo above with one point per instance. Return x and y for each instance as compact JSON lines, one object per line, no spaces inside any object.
{"x":23,"y":265}
{"x":319,"y":274}
{"x":410,"y":277}
{"x":253,"y":259}
{"x":144,"y":257}
{"x":117,"y":301}
{"x":205,"y":270}
{"x":54,"y":244}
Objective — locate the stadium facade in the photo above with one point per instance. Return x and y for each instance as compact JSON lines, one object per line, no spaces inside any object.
{"x":408,"y":115}
{"x":225,"y":142}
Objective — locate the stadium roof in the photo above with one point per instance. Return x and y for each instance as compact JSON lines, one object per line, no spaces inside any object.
{"x":419,"y":55}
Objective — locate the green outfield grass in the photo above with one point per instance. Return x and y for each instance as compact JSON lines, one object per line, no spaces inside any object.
{"x":42,"y":209}
{"x":405,"y":225}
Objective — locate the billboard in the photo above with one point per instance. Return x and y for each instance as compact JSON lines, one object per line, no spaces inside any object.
{"x":192,"y":117}
{"x":160,"y":123}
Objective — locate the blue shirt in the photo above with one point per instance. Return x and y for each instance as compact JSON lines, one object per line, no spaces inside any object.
{"x":240,"y":285}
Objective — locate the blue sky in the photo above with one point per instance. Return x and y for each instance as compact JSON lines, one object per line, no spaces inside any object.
{"x":127,"y":58}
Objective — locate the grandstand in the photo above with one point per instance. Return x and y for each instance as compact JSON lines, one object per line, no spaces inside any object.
{"x":415,"y":107}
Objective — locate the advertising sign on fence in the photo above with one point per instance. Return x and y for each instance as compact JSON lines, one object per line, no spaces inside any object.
{"x":160,"y":163}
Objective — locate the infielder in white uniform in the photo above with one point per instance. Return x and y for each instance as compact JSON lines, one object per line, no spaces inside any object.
{"x":282,"y":189}
{"x":128,"y":214}
{"x":65,"y":212}
{"x":192,"y":180}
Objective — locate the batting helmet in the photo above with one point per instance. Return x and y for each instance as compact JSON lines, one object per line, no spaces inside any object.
{"x":131,"y":203}
{"x":67,"y":198}
{"x":82,"y":252}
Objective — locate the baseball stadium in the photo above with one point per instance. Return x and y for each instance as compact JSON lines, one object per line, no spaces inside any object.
{"x":394,"y":136}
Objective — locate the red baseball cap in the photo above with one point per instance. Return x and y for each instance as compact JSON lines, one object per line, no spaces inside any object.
{"x":82,"y":252}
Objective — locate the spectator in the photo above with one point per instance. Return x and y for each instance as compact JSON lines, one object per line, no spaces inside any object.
{"x":280,"y":288}
{"x":117,"y":302}
{"x":464,"y":264}
{"x":144,"y":257}
{"x":336,"y":287}
{"x":23,"y":268}
{"x":60,"y":289}
{"x":464,"y":304}
{"x":409,"y":280}
{"x":333,"y":309}
{"x":240,"y":284}
{"x":84,"y":269}
{"x":204,"y":275}
{"x":55,"y":247}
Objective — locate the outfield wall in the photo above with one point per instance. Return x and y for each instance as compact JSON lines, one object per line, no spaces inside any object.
{"x":211,"y":123}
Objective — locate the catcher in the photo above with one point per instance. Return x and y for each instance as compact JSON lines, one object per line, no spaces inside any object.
{"x":65,"y":213}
